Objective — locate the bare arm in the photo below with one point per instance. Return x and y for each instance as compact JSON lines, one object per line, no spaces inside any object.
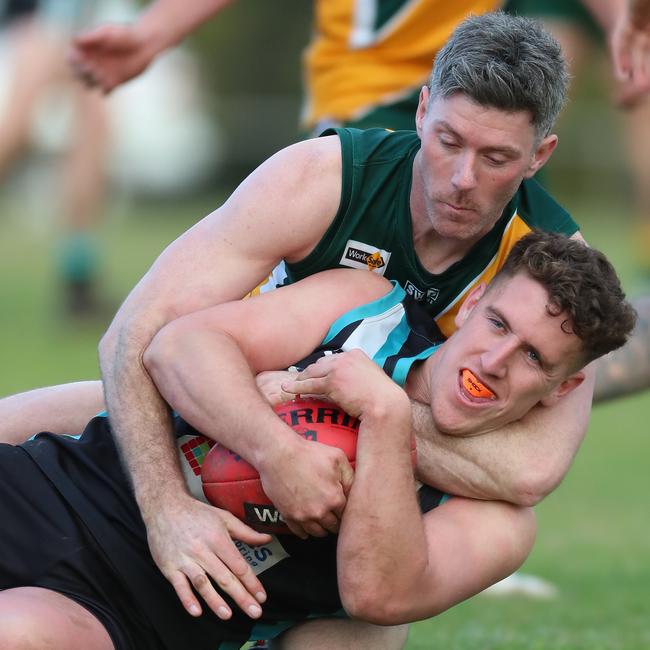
{"x":109,"y":55}
{"x":59,"y":409}
{"x":280,"y":210}
{"x":631,"y":45}
{"x":520,"y":463}
{"x":216,"y":352}
{"x":394,"y":565}
{"x":627,"y":26}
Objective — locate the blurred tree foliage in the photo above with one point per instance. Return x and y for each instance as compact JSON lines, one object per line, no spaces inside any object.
{"x":251,"y":62}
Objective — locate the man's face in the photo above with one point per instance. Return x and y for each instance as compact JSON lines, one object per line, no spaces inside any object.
{"x":471,"y":163}
{"x":517,"y":353}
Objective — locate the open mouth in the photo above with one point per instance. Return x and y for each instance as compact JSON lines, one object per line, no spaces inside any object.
{"x":474,"y":386}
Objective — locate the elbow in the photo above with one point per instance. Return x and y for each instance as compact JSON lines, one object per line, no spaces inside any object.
{"x":123,"y":336}
{"x":533,"y":486}
{"x":371,"y":609}
{"x":108,"y":344}
{"x":379,"y":601}
{"x":160,"y":355}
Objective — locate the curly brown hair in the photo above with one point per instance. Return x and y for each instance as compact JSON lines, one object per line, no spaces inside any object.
{"x":582,"y":283}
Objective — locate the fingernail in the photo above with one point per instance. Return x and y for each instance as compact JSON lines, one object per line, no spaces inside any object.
{"x":195,"y":610}
{"x":260,"y":597}
{"x":223,"y":612}
{"x":254,"y":611}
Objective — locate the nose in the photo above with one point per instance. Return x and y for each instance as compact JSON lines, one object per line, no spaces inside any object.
{"x":464,"y":176}
{"x":494,"y":361}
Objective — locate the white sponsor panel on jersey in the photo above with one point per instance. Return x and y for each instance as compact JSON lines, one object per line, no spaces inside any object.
{"x":359,"y":255}
{"x":262,"y":557}
{"x":373,"y":332}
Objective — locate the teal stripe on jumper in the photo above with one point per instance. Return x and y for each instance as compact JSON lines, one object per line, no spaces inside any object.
{"x":394,"y":297}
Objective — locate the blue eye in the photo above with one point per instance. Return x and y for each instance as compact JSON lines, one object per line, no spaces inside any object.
{"x":533,"y":356}
{"x":496,"y":323}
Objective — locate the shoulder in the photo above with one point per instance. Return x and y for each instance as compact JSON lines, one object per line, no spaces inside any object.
{"x":374,"y":142}
{"x":539,"y":209}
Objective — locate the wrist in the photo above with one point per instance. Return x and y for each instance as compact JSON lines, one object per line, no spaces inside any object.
{"x":157,"y":30}
{"x":154,"y":503}
{"x":271,"y":456}
{"x":387,"y":413}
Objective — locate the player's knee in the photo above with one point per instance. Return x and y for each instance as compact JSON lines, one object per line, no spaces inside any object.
{"x":34,"y":618}
{"x":19,"y":630}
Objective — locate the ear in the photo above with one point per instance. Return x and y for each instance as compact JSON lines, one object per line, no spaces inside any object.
{"x":423,"y":104}
{"x":563,"y":389}
{"x":469,"y":303}
{"x":542,"y":154}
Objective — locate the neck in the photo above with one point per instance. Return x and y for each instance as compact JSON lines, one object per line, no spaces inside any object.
{"x":418,"y":382}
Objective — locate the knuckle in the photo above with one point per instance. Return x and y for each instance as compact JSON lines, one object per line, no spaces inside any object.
{"x":224,"y":581}
{"x":200,"y":581}
{"x":241,"y":572}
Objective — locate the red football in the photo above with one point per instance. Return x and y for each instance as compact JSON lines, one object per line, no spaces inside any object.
{"x":231,"y":483}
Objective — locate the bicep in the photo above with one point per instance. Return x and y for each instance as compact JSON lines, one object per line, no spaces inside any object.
{"x":278,"y":328}
{"x":280,"y":211}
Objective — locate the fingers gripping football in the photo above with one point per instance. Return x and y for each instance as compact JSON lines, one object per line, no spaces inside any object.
{"x":350,"y":379}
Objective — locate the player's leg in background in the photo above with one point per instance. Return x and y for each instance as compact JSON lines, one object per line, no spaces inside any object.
{"x":38,"y":48}
{"x":40,"y":618}
{"x":83,"y":198}
{"x":32,"y":57}
{"x":342,"y":634}
{"x":637,"y":139}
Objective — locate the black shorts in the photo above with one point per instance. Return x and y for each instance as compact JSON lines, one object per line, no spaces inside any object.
{"x":42,"y":544}
{"x":104,"y":566}
{"x":59,"y":487}
{"x":76,"y":529}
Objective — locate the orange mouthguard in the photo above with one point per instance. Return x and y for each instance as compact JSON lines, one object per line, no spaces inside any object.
{"x":474,"y":387}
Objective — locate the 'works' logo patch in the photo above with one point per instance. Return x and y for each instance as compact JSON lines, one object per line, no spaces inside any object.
{"x":363,"y":256}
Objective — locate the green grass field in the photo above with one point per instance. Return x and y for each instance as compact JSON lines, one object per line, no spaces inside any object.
{"x":594,"y":531}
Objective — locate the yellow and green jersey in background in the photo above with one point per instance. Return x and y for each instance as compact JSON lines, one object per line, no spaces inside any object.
{"x":367,"y":54}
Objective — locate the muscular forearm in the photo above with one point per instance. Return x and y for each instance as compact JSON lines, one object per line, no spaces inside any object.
{"x":382,"y":548}
{"x":59,"y":409}
{"x":627,"y":370}
{"x":191,"y":364}
{"x":140,"y":419}
{"x":520,"y":463}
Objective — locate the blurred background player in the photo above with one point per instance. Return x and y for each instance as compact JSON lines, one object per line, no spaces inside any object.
{"x":583,"y":36}
{"x":37,"y":34}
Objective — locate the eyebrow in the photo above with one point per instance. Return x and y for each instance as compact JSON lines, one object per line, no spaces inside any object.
{"x":546,"y":366}
{"x":505,"y":149}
